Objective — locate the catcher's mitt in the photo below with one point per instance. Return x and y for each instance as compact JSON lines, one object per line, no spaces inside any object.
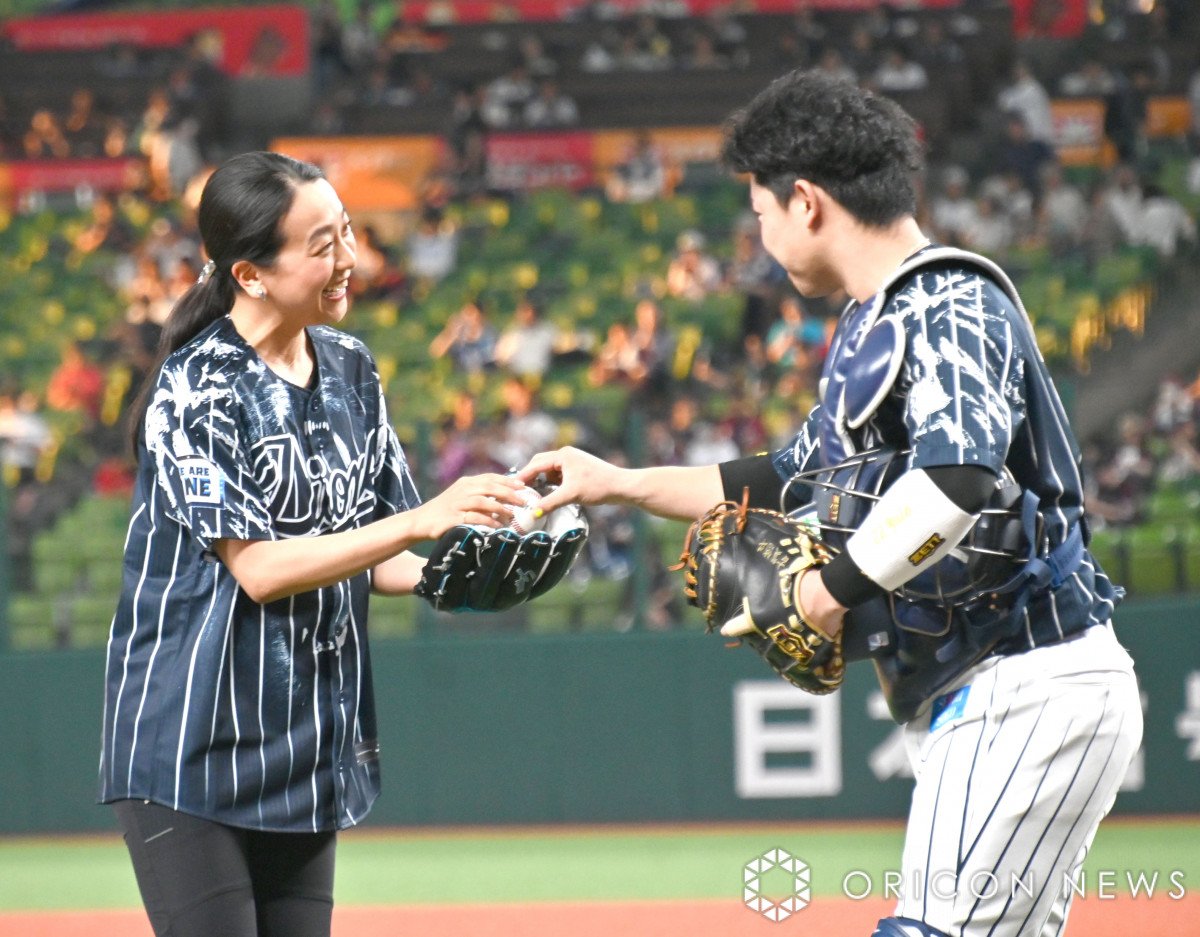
{"x":481,"y":569}
{"x":741,"y":566}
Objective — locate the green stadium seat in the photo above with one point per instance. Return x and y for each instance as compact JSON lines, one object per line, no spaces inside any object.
{"x":31,"y":619}
{"x":90,"y":618}
{"x":1152,"y":551}
{"x":392,"y":618}
{"x":570,"y":608}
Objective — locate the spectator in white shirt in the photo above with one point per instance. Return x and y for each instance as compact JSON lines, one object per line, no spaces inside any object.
{"x":692,"y":274}
{"x":526,"y":346}
{"x":992,"y":233}
{"x":1026,"y":96}
{"x":1122,"y":199}
{"x":1062,"y":213}
{"x":1164,"y":222}
{"x":953,"y":211}
{"x":551,"y":108}
{"x":505,"y":98}
{"x":433,"y":247}
{"x":643,"y":175}
{"x":525,"y":428}
{"x":1091,"y":79}
{"x":897,"y":72}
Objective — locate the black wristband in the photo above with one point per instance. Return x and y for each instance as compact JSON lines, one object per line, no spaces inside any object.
{"x":848,"y":584}
{"x":755,"y":472}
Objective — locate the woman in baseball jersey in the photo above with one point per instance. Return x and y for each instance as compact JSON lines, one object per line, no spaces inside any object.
{"x":272,"y":497}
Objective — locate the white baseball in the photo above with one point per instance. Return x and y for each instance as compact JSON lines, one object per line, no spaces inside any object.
{"x":525,"y":519}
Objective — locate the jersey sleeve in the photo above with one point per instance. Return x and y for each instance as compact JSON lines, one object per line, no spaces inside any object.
{"x":395,"y":490}
{"x":202,"y":468}
{"x":963,"y":372}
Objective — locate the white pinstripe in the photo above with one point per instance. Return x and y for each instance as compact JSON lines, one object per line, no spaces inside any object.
{"x":137,"y":592}
{"x":187,"y":694}
{"x":212,"y":734}
{"x":287,"y":797}
{"x":317,"y":684}
{"x":231,"y":646}
{"x":262,"y":729}
{"x":108,"y":647}
{"x":1029,"y":801}
{"x":158,"y":633}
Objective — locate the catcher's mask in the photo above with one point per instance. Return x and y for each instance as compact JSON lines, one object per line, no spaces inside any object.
{"x":989,"y":560}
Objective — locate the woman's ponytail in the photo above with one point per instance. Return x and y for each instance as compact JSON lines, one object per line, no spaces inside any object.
{"x":204,"y":303}
{"x":197,"y":309}
{"x":240,"y":216}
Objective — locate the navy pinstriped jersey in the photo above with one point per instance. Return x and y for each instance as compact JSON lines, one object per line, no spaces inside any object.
{"x":254,"y":715}
{"x":973,"y":389}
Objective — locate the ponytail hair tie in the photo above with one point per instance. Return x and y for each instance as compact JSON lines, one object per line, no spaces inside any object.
{"x":207,"y":271}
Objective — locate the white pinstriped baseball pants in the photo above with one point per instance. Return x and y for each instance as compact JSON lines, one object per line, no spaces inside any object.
{"x":1013,"y":777}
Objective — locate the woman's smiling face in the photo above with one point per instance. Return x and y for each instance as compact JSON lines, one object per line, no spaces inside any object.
{"x":310,"y":278}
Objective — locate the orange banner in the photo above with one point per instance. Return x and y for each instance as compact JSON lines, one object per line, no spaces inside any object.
{"x":1078,"y":130}
{"x":678,"y":145}
{"x":387,"y":173}
{"x":370,"y":173}
{"x":1168,"y":117}
{"x":1079,"y":126}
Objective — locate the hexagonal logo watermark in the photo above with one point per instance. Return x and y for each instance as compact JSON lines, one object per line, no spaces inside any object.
{"x":772,"y":907}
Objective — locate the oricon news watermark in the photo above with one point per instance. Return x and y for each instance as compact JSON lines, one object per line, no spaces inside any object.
{"x":984,"y":885}
{"x":760,"y":896}
{"x":777,"y":884}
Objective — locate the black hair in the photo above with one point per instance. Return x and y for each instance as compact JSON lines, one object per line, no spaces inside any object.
{"x":241,"y":210}
{"x":859,"y":147}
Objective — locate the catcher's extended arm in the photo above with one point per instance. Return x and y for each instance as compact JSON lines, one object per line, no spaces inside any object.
{"x":741,"y":567}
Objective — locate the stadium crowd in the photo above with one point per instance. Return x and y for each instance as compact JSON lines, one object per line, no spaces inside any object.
{"x":696,"y":400}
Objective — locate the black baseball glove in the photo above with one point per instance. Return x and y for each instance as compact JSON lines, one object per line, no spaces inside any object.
{"x":741,"y":568}
{"x":481,"y":569}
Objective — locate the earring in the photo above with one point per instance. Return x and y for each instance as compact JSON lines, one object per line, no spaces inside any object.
{"x":261,"y":293}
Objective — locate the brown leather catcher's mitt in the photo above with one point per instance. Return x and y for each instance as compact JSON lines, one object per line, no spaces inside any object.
{"x":742,"y":566}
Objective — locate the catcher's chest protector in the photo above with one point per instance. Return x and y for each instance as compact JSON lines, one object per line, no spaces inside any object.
{"x":867,"y":353}
{"x":934,"y":642}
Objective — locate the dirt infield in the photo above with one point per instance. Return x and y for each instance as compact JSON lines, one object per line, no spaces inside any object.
{"x":828,"y":917}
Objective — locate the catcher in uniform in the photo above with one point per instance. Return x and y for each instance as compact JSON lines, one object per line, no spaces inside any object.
{"x":928,"y":515}
{"x":272,"y":497}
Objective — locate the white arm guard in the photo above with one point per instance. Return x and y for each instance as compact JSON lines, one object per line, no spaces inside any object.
{"x":912,"y":527}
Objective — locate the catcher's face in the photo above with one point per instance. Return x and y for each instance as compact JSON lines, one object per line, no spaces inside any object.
{"x":790,"y":234}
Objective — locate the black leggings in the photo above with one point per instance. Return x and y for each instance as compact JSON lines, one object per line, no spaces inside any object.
{"x":200,"y":879}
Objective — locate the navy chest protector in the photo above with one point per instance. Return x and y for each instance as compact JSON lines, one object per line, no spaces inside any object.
{"x":960,"y":610}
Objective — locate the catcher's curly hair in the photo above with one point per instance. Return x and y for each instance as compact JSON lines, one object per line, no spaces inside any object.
{"x":859,"y":147}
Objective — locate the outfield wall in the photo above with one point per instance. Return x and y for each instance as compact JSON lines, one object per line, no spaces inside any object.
{"x":601,"y":727}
